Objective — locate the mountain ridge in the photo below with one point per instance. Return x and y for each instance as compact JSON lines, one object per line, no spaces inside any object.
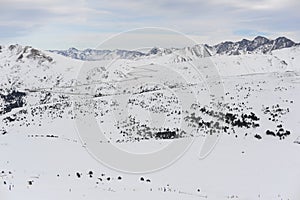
{"x":259,"y":44}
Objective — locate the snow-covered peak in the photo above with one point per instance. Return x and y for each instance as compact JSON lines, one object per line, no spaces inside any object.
{"x":21,"y":53}
{"x":260,"y":40}
{"x":160,"y":51}
{"x":283,"y":42}
{"x":258,"y":45}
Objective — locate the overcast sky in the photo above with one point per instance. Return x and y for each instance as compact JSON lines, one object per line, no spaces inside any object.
{"x":60,"y":24}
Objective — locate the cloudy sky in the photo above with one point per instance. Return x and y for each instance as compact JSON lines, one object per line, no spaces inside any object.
{"x":60,"y":24}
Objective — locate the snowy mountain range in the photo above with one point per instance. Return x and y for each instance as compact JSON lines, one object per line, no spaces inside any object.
{"x":42,"y":97}
{"x":258,"y":45}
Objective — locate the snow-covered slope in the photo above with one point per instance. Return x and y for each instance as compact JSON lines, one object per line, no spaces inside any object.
{"x":251,"y":101}
{"x":277,"y":61}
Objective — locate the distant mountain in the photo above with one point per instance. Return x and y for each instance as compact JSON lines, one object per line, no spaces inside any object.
{"x":259,"y":44}
{"x":19,"y":53}
{"x":92,"y":54}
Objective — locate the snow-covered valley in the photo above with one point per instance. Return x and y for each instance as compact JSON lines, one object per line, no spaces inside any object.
{"x":249,"y":101}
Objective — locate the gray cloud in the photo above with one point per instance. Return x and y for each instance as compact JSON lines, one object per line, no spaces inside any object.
{"x":213,"y":20}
